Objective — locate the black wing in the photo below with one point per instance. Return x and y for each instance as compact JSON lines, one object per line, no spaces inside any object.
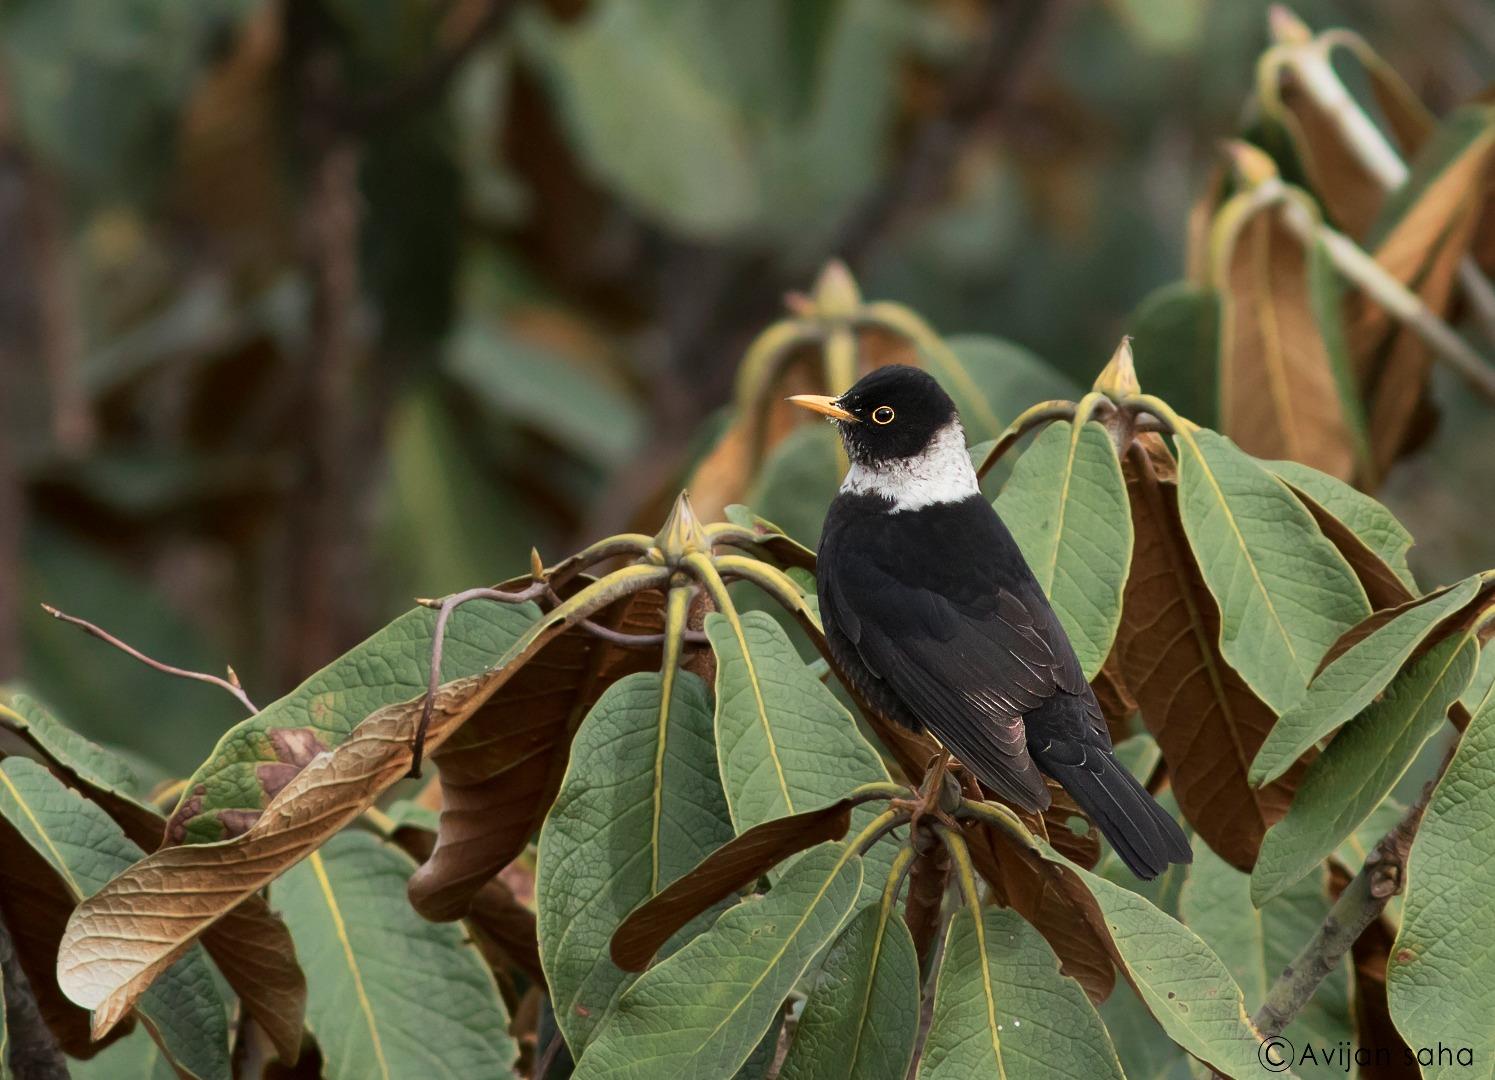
{"x":940,"y":604}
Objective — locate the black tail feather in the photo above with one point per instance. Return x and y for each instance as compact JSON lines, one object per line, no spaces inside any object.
{"x":1140,"y":830}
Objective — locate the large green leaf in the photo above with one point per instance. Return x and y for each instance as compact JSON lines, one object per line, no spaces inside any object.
{"x":1066,"y":505}
{"x":1353,"y":680}
{"x":698,"y":1014}
{"x":672,"y":145}
{"x":640,"y":805}
{"x":183,"y":1009}
{"x":1001,"y":1008}
{"x":1441,"y":967}
{"x":784,"y":743}
{"x":1375,"y":525}
{"x":1362,"y":765}
{"x":258,"y":757}
{"x":1285,"y":593}
{"x":862,"y":1015}
{"x":390,"y":995}
{"x":1258,"y":944}
{"x":798,"y":480}
{"x":1180,"y":979}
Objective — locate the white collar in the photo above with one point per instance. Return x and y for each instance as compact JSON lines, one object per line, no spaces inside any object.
{"x":940,"y":473}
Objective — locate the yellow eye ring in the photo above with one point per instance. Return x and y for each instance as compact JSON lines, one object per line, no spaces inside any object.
{"x":883,"y":414}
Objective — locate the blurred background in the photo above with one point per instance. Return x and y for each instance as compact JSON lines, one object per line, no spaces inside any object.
{"x":310,"y":308}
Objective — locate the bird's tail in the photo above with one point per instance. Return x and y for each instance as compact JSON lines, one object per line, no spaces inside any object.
{"x":1140,"y":830}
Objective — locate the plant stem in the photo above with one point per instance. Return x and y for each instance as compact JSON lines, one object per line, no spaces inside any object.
{"x":1359,"y":905}
{"x":926,"y":891}
{"x":231,"y":684}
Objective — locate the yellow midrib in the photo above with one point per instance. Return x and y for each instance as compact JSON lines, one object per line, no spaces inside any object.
{"x":991,"y":997}
{"x":1069,"y":470}
{"x":1240,"y":537}
{"x":342,"y":936}
{"x":57,"y":859}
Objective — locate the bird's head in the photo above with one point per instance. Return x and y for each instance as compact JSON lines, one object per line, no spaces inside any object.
{"x":903,"y":436}
{"x":893,"y":413}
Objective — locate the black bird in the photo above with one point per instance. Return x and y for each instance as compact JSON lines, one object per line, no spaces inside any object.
{"x":935,"y":617}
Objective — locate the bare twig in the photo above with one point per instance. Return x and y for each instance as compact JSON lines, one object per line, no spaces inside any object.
{"x":1359,"y":905}
{"x":547,"y":1059}
{"x":231,"y":684}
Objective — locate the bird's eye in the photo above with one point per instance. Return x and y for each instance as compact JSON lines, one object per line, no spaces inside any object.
{"x":883,"y":414}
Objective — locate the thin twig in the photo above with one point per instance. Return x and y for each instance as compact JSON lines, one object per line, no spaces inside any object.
{"x":547,"y":1059}
{"x":231,"y":684}
{"x":1359,"y":905}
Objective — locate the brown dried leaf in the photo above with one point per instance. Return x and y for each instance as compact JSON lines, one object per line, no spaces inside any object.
{"x":1278,"y":394}
{"x":731,"y":867}
{"x":1350,"y":192}
{"x":35,"y":905}
{"x":1423,"y":252}
{"x":1208,"y":723}
{"x":130,"y":931}
{"x":501,"y":771}
{"x":251,"y":945}
{"x":1054,"y":901}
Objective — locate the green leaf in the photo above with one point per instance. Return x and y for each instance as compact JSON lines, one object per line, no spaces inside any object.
{"x":784,"y":742}
{"x":1362,"y":765}
{"x":1066,"y":505}
{"x":698,"y":1014}
{"x":1175,"y":333}
{"x":1376,"y":526}
{"x":390,"y":995}
{"x":1441,"y":966}
{"x":798,"y":480}
{"x":862,"y":1015}
{"x":1145,"y":1050}
{"x":183,"y":1009}
{"x":1008,"y":378}
{"x":258,"y":757}
{"x":640,"y":805}
{"x":1001,"y":1008}
{"x":1258,"y":944}
{"x":1180,"y":979}
{"x":521,"y":382}
{"x":1353,"y":681}
{"x":1285,"y":593}
{"x":86,"y":758}
{"x":673,"y":145}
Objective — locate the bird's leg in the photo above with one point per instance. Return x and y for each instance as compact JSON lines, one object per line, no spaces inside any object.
{"x":931,"y":798}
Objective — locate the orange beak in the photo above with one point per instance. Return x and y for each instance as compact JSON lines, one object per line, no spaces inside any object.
{"x":824,"y":405}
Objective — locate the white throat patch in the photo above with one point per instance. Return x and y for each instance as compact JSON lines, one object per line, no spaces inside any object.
{"x":941,"y":474}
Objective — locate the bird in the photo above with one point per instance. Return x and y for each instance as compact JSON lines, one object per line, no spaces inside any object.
{"x":935,"y":618}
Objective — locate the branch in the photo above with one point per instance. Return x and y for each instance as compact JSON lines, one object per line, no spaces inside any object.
{"x":1361,"y":904}
{"x":231,"y":684}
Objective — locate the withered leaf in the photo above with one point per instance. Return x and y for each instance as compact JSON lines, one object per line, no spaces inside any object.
{"x":251,"y":945}
{"x":1422,"y":250}
{"x":729,"y":868}
{"x":126,"y":934}
{"x":1207,"y":721}
{"x":1279,"y":397}
{"x":501,"y":771}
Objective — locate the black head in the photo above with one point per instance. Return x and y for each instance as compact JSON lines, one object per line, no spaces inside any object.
{"x":893,"y":412}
